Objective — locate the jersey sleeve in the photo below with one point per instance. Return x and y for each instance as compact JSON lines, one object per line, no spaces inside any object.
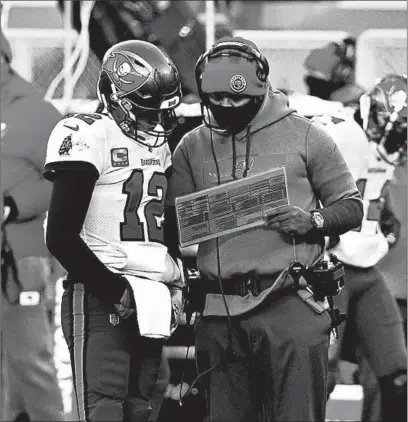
{"x":73,"y":141}
{"x":350,"y":139}
{"x":330,"y":176}
{"x":353,"y":145}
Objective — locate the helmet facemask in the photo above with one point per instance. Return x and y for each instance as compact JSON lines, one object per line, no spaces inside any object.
{"x":148,"y":126}
{"x":384,"y":117}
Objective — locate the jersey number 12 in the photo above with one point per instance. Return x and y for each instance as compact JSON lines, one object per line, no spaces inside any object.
{"x":132,"y":229}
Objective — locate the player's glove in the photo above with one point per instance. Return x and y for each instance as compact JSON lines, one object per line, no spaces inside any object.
{"x":127,"y":306}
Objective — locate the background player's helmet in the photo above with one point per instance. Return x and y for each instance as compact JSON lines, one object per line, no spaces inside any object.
{"x":140,"y":87}
{"x":235,"y":68}
{"x":384,"y":115}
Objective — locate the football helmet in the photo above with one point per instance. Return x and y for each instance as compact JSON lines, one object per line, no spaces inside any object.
{"x":384,"y":115}
{"x":140,"y":87}
{"x":232,"y":78}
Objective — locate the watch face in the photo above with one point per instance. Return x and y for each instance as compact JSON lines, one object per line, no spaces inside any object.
{"x":317,"y":220}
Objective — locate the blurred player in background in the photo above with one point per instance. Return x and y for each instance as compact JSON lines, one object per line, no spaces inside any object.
{"x":171,"y":25}
{"x":373,"y":313}
{"x":174,"y":26}
{"x":330,"y":72}
{"x":384,"y":104}
{"x":105,"y":226}
{"x":394,"y":269}
{"x":30,"y":385}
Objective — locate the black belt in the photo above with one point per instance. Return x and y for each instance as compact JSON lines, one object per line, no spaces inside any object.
{"x":69,"y":282}
{"x":238,"y":286}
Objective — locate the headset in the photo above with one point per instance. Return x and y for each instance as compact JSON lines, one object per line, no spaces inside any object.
{"x":233,"y":48}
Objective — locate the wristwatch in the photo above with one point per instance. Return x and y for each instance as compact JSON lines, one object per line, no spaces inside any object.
{"x":317,"y":219}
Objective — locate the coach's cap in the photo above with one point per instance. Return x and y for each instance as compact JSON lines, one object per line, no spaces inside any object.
{"x":233,"y":74}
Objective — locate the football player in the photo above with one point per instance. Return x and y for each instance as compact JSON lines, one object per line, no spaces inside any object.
{"x":384,"y":118}
{"x":105,"y":226}
{"x":373,"y":313}
{"x":330,"y":72}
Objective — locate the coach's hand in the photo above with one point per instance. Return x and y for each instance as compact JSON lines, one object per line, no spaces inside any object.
{"x":127,"y":306}
{"x":289,"y":219}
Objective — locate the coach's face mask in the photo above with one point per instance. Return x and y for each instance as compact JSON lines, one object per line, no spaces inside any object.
{"x":235,"y":118}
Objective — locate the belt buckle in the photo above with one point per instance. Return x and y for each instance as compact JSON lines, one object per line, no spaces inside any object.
{"x":251,"y":286}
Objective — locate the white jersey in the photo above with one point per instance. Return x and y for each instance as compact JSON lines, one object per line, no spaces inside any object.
{"x":123,"y":225}
{"x":365,"y":246}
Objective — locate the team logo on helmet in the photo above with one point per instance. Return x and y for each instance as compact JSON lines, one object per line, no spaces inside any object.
{"x":127,"y":71}
{"x":238,"y":83}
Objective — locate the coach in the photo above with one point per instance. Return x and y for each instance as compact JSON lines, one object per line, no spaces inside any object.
{"x":266,"y":344}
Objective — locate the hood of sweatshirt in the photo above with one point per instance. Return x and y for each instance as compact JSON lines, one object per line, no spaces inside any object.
{"x":275,"y":107}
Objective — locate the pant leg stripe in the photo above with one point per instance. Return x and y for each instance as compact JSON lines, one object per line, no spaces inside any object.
{"x":79,"y":345}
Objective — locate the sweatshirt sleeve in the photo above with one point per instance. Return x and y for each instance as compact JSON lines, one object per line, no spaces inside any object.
{"x":31,"y":196}
{"x":42,"y":119}
{"x":332,"y":182}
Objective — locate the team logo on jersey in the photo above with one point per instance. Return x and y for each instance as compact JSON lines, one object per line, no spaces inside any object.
{"x":128,"y":71}
{"x":238,"y":83}
{"x":120,"y":157}
{"x":241,"y":165}
{"x":66,"y":146}
{"x":114,"y":319}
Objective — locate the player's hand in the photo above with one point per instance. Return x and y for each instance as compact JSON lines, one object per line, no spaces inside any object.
{"x":6,"y":214}
{"x":392,"y":239}
{"x":127,"y":306}
{"x":289,"y":219}
{"x":176,"y":308}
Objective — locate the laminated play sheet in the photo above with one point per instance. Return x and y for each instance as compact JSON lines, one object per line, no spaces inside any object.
{"x":231,"y":207}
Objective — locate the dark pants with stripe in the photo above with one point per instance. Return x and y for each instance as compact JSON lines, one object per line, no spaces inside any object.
{"x":372,"y":393}
{"x":374,"y":322}
{"x":115,"y":369}
{"x":278,"y":365}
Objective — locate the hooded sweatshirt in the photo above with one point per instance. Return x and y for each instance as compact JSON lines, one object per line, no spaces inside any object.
{"x":276,"y":137}
{"x":27,"y":121}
